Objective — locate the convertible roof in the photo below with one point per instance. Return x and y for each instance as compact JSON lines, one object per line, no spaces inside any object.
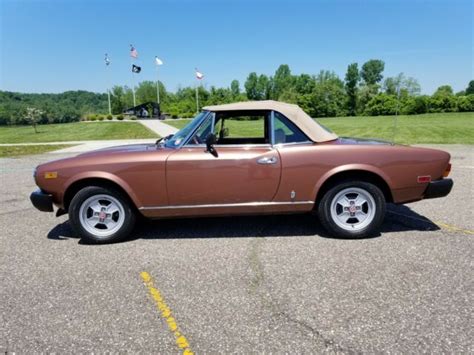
{"x":294,"y":113}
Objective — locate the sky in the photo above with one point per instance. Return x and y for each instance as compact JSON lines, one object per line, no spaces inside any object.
{"x":59,"y":45}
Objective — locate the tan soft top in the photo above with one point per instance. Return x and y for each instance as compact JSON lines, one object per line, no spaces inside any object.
{"x":293,"y":112}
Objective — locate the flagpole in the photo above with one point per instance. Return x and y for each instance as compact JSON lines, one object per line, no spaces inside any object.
{"x":133,"y":83}
{"x":157,"y":85}
{"x":197,"y":99}
{"x":108,"y":88}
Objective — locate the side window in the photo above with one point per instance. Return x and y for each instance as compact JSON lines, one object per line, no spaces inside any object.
{"x":241,"y":127}
{"x":199,"y":137}
{"x":286,"y":131}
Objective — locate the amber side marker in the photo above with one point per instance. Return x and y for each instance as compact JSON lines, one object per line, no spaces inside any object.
{"x":447,"y":171}
{"x":165,"y":311}
{"x":51,"y":175}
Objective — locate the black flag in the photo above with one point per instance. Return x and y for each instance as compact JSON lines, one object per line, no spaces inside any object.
{"x":136,"y":68}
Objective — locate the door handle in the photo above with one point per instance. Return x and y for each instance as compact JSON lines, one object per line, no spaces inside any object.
{"x":267,"y":160}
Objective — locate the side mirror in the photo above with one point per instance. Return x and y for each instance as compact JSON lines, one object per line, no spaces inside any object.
{"x":210,"y":141}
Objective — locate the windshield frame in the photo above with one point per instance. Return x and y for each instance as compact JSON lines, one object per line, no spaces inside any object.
{"x":192,"y":126}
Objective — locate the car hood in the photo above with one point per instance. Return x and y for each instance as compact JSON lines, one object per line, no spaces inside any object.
{"x":121,"y":149}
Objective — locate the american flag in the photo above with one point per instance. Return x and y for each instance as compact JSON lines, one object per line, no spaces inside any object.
{"x":133,"y":52}
{"x":199,"y":75}
{"x":107,"y":59}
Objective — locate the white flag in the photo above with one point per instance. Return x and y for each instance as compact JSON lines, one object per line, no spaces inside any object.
{"x":158,"y":61}
{"x":199,"y":75}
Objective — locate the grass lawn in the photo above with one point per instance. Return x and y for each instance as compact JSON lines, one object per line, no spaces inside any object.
{"x":436,"y":128}
{"x":17,"y":150}
{"x":77,"y":131}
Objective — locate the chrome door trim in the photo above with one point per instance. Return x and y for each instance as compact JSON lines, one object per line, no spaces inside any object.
{"x":225,"y":205}
{"x":272,"y":126}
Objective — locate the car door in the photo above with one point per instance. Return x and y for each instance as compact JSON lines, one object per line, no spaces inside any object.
{"x":246,"y":170}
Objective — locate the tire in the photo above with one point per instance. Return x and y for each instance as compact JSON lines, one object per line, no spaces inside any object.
{"x":101,"y":215}
{"x":343,"y":214}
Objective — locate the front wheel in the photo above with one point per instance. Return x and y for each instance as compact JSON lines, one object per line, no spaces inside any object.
{"x":352,"y":210}
{"x":101,"y":215}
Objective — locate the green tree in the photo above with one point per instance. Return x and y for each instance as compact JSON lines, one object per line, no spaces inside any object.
{"x":145,"y":92}
{"x":32,"y":116}
{"x":304,"y":84}
{"x":328,"y":98}
{"x":235,"y":88}
{"x":401,"y":85}
{"x":372,"y":71}
{"x":251,"y":86}
{"x":351,"y":84}
{"x":282,"y":80}
{"x":264,"y":87}
{"x":470,"y":88}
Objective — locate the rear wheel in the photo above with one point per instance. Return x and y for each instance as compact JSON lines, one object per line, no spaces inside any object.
{"x":101,"y":215}
{"x":354,"y":209}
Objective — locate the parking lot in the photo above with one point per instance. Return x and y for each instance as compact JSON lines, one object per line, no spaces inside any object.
{"x":247,"y":284}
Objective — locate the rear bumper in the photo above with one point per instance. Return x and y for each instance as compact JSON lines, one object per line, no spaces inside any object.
{"x":42,"y":201}
{"x":438,"y":188}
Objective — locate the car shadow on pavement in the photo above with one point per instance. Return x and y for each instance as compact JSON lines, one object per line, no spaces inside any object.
{"x":397,"y":219}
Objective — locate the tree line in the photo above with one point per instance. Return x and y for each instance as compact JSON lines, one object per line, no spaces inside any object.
{"x":362,"y":91}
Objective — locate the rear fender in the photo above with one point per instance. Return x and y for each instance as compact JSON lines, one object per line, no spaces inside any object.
{"x":350,"y":167}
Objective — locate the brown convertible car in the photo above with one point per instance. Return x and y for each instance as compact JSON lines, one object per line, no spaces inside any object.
{"x":262,"y":157}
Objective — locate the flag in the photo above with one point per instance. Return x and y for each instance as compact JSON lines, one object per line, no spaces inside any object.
{"x":158,"y":61}
{"x":107,"y":59}
{"x":133,"y":52}
{"x":199,"y":75}
{"x":136,"y":69}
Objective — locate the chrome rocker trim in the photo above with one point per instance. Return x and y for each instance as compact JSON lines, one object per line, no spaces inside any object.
{"x":224,"y":205}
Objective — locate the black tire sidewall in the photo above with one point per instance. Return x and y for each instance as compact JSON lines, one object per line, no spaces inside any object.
{"x":324,"y":210}
{"x":85,"y":235}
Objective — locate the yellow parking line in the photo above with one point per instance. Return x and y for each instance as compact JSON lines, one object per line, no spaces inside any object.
{"x":181,"y":340}
{"x":453,"y":228}
{"x":441,"y":225}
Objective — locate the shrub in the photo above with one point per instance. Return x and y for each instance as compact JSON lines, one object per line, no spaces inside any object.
{"x":381,"y":104}
{"x":93,"y":118}
{"x":120,"y":117}
{"x":465,"y":103}
{"x":101,"y":117}
{"x":134,"y":118}
{"x":110,"y":117}
{"x":416,"y":105}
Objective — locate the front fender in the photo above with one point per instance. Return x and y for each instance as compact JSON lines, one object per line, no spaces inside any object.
{"x":104,"y":176}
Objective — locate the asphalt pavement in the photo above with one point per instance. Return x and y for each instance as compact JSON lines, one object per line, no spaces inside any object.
{"x":273,"y":284}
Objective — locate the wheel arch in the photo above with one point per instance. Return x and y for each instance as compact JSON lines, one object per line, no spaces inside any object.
{"x":101,"y":180}
{"x":360,"y":173}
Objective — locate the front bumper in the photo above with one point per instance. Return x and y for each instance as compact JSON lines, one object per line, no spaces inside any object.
{"x":42,"y":201}
{"x":438,"y":188}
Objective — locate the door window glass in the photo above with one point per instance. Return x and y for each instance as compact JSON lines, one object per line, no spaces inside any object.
{"x":286,"y":131}
{"x":199,"y":137}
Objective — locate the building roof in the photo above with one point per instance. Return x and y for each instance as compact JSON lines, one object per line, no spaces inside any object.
{"x":294,"y":113}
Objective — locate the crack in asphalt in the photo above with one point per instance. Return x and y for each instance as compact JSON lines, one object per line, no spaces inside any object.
{"x":257,"y":287}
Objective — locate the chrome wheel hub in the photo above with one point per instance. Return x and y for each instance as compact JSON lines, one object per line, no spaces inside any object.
{"x":102,"y":215}
{"x":353,"y":209}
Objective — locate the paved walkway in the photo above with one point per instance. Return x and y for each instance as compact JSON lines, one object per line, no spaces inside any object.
{"x":159,"y":127}
{"x":85,"y":146}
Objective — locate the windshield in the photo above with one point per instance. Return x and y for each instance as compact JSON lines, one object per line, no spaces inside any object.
{"x":178,"y":137}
